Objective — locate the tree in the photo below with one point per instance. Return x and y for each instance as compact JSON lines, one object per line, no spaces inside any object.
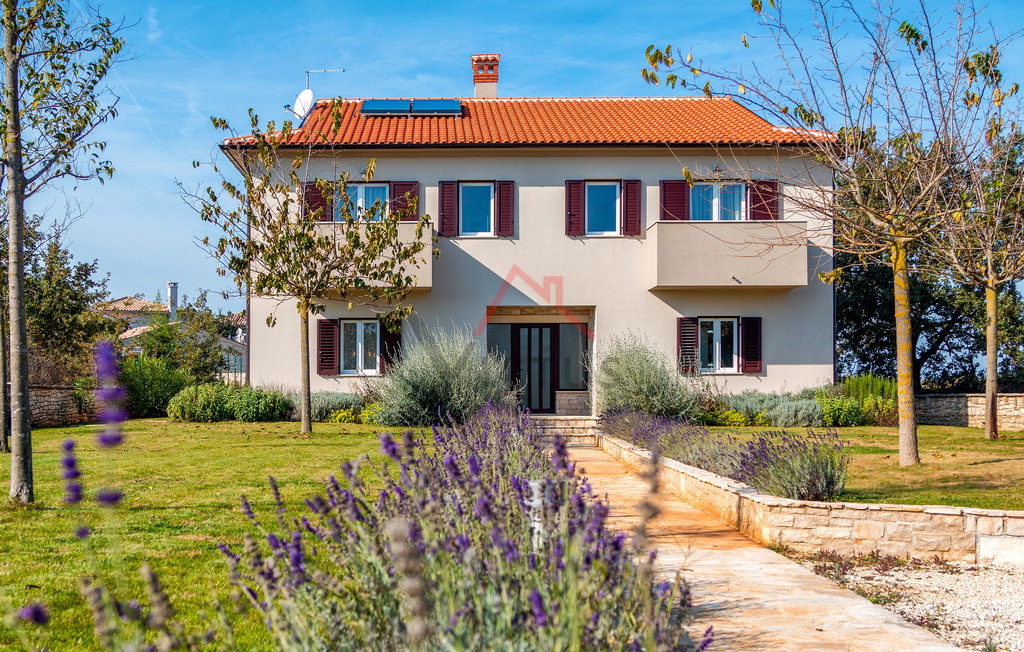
{"x":882,"y":102}
{"x":54,"y":68}
{"x":190,"y":344}
{"x":274,"y":243}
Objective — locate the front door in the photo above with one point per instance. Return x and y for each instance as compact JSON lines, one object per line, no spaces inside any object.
{"x":534,"y":364}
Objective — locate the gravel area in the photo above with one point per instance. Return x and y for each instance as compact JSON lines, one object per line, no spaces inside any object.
{"x":973,"y":607}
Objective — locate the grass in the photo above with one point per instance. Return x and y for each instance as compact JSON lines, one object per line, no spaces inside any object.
{"x":182,"y":483}
{"x":958,"y":467}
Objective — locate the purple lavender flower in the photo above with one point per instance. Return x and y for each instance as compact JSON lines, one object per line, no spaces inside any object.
{"x":474,"y":466}
{"x":482,"y":509}
{"x":72,"y":488}
{"x":110,"y":396}
{"x":109,"y":497}
{"x":297,"y":557}
{"x":72,"y":493}
{"x":709,"y":637}
{"x":82,"y":532}
{"x":247,"y":509}
{"x":106,"y":362}
{"x":274,"y":542}
{"x":537,"y":604}
{"x":227,"y":552}
{"x":389,"y":447}
{"x":35,"y":613}
{"x":110,"y":437}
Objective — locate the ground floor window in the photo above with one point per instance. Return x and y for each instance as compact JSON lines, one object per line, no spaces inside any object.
{"x":360,"y":347}
{"x":717,"y":340}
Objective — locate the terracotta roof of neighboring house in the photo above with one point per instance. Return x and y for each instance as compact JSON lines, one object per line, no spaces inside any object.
{"x":131,"y":304}
{"x":548,"y":121}
{"x":139,"y":330}
{"x":237,"y":319}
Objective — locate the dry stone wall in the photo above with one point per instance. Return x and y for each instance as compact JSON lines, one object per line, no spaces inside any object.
{"x":908,"y":531}
{"x":57,"y":406}
{"x":968,"y":410}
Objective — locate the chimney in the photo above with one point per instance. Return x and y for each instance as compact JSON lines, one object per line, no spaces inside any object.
{"x":485,"y":74}
{"x":172,"y":301}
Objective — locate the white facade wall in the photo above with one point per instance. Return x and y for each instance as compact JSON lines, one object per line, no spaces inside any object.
{"x":610,"y":274}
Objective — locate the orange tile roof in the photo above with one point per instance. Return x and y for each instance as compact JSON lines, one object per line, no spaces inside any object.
{"x":131,"y":304}
{"x":548,"y":121}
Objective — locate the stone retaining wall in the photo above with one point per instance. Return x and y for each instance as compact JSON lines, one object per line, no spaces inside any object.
{"x":968,"y":410}
{"x":56,"y":406}
{"x":572,"y":403}
{"x":908,"y":531}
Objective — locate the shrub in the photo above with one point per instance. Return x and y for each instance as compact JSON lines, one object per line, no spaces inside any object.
{"x":733,"y":418}
{"x":810,"y":467}
{"x":865,"y":385}
{"x":839,"y":411}
{"x":344,"y":415}
{"x":795,"y":413}
{"x":443,"y":376}
{"x":370,"y":414}
{"x":880,"y":411}
{"x":255,"y":404}
{"x":633,"y":376}
{"x":149,"y":385}
{"x":323,"y":404}
{"x":208,"y":402}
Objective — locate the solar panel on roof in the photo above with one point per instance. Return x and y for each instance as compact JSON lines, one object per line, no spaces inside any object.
{"x":385,"y":107}
{"x":437,"y":107}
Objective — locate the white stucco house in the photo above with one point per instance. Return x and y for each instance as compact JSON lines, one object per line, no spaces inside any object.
{"x":562,"y":222}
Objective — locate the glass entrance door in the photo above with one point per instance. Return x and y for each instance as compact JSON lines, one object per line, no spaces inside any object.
{"x":535,"y":365}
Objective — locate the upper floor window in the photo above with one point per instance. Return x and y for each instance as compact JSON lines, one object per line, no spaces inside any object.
{"x":362,"y":198}
{"x":476,"y":209}
{"x":602,"y":210}
{"x":718,"y":201}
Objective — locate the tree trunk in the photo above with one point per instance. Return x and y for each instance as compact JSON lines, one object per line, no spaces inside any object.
{"x":991,"y":357}
{"x":306,"y":407}
{"x":904,"y":356}
{"x":21,"y":418}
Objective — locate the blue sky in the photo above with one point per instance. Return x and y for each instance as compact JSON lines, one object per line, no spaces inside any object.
{"x":192,"y":60}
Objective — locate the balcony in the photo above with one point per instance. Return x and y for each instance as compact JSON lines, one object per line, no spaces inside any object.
{"x":701,"y":255}
{"x":423,"y":267}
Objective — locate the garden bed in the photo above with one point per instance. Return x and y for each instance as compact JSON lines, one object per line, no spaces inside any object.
{"x":912,"y":531}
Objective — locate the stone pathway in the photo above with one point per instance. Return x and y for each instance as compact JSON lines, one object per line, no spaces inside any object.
{"x":754,"y":598}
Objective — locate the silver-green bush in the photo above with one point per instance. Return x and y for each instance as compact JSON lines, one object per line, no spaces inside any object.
{"x":795,"y":413}
{"x":633,"y":375}
{"x":443,"y":376}
{"x":254,"y":404}
{"x":323,"y":404}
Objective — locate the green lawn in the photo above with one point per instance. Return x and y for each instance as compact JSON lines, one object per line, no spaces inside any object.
{"x":958,"y":467}
{"x":182,"y":484}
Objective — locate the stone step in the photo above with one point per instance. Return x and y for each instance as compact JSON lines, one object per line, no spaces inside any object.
{"x":574,"y":438}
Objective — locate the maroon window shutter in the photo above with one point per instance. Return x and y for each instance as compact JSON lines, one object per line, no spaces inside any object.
{"x":763,"y":197}
{"x":574,"y":218}
{"x":399,"y":202}
{"x":448,"y":205}
{"x":631,"y":222}
{"x":750,"y":347}
{"x":505,"y":192}
{"x":315,"y":200}
{"x":686,"y":341}
{"x":327,"y":334}
{"x":390,"y":346}
{"x":675,"y":200}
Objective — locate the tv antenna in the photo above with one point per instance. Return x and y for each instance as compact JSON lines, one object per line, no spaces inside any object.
{"x":304,"y":102}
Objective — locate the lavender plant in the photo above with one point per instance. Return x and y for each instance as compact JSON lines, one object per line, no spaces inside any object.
{"x":809,"y":467}
{"x":480,"y":538}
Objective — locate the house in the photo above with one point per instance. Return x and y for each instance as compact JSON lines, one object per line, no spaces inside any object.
{"x":562,"y":222}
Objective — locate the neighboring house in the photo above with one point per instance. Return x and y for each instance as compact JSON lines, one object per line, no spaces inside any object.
{"x":133,"y":311}
{"x":563,"y":222}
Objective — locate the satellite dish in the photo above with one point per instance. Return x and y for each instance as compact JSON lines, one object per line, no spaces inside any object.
{"x":303,"y":104}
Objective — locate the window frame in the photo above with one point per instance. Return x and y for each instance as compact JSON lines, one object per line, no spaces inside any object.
{"x":492,"y":217}
{"x":617,"y":229}
{"x":359,"y":370}
{"x":359,"y":201}
{"x":716,"y":201}
{"x":717,"y":353}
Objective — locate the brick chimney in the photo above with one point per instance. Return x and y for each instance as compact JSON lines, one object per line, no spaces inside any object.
{"x":485,"y":74}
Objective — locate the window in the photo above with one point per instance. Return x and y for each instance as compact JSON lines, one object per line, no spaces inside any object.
{"x":361,"y":199}
{"x":572,"y":357}
{"x":602,"y":209}
{"x":717,"y":342}
{"x":360,"y":347}
{"x":476,"y":209}
{"x":718,"y":201}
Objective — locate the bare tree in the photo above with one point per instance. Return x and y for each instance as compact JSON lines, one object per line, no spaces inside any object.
{"x":881,"y":100}
{"x":293,"y":237}
{"x":54,"y":70}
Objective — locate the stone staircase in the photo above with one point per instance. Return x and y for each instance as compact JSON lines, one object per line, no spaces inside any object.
{"x":575,"y":429}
